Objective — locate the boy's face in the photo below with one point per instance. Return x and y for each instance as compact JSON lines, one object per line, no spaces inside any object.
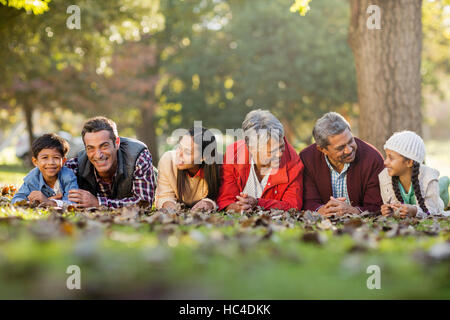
{"x":49,"y":162}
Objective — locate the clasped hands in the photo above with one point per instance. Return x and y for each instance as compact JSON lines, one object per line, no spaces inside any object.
{"x":38,"y":196}
{"x":81,"y":198}
{"x":402,"y":209}
{"x":244,"y":203}
{"x":337,"y":206}
{"x":199,"y":206}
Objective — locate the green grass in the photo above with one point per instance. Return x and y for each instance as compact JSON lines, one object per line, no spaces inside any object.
{"x":219,"y":257}
{"x":12,"y":174}
{"x":140,"y":259}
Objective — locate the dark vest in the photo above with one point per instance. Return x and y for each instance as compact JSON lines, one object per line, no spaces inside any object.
{"x":128,"y":153}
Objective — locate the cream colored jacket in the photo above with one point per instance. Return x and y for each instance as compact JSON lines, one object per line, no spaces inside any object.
{"x":166,"y":189}
{"x":429,"y":186}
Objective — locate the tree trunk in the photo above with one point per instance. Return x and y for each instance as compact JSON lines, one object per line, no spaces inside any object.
{"x":28,"y":111}
{"x":388,"y":68}
{"x":147,"y":133}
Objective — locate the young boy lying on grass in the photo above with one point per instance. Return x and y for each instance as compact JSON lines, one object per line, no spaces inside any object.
{"x":49,"y":183}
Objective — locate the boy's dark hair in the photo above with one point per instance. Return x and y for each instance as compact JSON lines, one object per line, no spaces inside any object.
{"x":50,"y":141}
{"x":97,"y":124}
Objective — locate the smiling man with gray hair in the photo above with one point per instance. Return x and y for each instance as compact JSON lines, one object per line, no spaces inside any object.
{"x":341,"y":171}
{"x":263,"y":169}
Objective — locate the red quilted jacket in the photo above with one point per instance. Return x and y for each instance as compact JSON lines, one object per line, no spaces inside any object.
{"x":283,"y":190}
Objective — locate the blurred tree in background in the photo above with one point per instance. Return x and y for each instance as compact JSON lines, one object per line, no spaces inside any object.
{"x":256,"y":55}
{"x":389,"y":61}
{"x":154,"y":66}
{"x":36,"y":7}
{"x":388,"y":68}
{"x":132,"y":94}
{"x":436,"y":42}
{"x":50,"y":66}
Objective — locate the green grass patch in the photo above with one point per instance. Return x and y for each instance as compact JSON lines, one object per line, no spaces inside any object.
{"x":12,"y":174}
{"x":147,"y":254}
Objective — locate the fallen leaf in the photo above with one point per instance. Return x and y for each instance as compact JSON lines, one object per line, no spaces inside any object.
{"x":326,"y":225}
{"x":313,"y":237}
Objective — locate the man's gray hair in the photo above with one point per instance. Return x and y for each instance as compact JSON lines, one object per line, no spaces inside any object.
{"x":330,"y":124}
{"x":259,"y":123}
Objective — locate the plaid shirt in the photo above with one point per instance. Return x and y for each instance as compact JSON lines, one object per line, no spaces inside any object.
{"x":339,"y":181}
{"x":143,"y":183}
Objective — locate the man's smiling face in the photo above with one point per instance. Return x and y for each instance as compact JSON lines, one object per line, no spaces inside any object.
{"x":342,"y":148}
{"x":101,"y":150}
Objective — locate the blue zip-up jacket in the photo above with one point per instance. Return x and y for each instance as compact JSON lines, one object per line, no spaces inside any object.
{"x":34,"y":181}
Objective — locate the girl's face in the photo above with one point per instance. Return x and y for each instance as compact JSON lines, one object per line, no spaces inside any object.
{"x":397,"y":164}
{"x":188,"y":154}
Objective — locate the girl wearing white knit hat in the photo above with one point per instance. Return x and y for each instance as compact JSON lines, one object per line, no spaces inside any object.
{"x":407,"y":186}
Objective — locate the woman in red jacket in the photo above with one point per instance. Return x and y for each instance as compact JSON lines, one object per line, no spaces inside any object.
{"x":261,"y":170}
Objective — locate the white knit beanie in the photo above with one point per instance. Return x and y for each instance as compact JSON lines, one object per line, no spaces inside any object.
{"x":408,"y":144}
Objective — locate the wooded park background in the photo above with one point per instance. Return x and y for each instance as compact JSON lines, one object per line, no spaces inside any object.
{"x":157,"y":65}
{"x":154,"y":66}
